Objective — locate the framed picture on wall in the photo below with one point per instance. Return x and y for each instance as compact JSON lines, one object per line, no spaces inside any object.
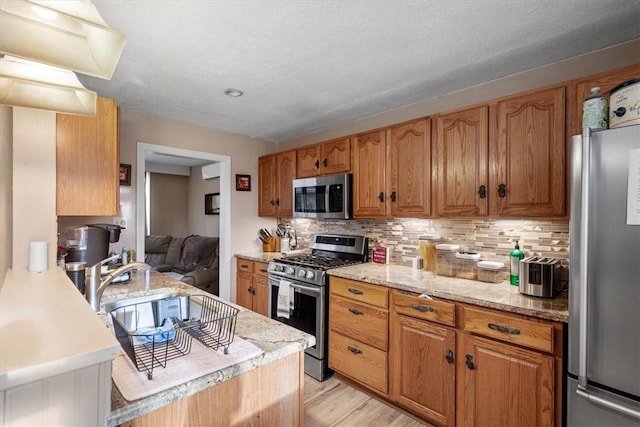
{"x":212,"y":204}
{"x":125,"y":174}
{"x":243,"y":182}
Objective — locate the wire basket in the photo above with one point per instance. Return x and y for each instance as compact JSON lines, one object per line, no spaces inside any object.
{"x":154,"y":332}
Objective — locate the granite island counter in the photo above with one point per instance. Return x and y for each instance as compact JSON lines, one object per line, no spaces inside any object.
{"x":268,"y":386}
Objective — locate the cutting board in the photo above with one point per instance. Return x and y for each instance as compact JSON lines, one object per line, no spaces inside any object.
{"x":201,"y":361}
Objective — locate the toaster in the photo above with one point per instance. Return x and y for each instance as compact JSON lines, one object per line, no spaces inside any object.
{"x":538,"y":276}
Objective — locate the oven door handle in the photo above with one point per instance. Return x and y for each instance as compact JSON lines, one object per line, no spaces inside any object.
{"x":305,"y":288}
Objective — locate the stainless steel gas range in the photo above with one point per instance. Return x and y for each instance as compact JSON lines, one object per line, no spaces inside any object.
{"x":298,"y":291}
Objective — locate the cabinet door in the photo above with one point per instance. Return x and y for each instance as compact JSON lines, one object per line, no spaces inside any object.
{"x":410,"y":169}
{"x":261,"y":297}
{"x":461,"y":150}
{"x":503,"y":385}
{"x":308,"y":161}
{"x":267,"y":186}
{"x":87,"y":162}
{"x":244,"y":290}
{"x":286,"y":169}
{"x":422,"y":369}
{"x":336,"y":156}
{"x":369,"y":160}
{"x":605,"y":81}
{"x":528,"y":156}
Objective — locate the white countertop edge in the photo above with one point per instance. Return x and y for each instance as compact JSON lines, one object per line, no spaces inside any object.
{"x":47,"y":328}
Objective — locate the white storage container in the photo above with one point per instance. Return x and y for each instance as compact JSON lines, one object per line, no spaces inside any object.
{"x":467,"y":265}
{"x":490,"y":271}
{"x":446,"y":259}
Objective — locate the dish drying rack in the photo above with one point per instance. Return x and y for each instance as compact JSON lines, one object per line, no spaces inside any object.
{"x":152,"y":333}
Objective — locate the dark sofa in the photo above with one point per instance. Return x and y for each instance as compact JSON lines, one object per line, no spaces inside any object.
{"x":193,"y":259}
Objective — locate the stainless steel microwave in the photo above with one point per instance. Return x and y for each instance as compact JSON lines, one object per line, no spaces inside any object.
{"x":322,"y":197}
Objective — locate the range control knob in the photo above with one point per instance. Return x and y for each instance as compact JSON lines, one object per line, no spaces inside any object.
{"x":301,"y":273}
{"x":310,"y":274}
{"x":289,"y":270}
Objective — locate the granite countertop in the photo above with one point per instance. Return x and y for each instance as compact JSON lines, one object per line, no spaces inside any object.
{"x":275,"y":339}
{"x":501,"y":296}
{"x":268,"y":256}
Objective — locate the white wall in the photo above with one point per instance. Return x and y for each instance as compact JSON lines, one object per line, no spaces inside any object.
{"x":199,"y":223}
{"x":6,"y":190}
{"x":169,"y":204}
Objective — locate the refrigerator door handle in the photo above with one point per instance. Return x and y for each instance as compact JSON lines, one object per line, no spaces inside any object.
{"x":608,"y":404}
{"x":583,"y":264}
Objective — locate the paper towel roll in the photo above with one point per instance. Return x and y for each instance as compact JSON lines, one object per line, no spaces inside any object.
{"x":38,"y":253}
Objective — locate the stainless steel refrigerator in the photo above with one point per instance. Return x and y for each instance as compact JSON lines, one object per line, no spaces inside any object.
{"x":603,"y":384}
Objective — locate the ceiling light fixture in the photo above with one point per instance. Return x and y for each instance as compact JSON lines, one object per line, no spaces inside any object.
{"x":67,"y":34}
{"x":25,"y":83}
{"x":233,"y":92}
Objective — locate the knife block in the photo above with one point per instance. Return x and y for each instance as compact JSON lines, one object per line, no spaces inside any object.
{"x":272,"y":244}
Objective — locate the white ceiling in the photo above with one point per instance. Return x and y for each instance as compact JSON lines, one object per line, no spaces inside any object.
{"x":311,"y":65}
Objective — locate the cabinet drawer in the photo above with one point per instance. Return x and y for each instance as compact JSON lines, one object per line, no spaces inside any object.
{"x":362,"y":322}
{"x":245,"y":265}
{"x":260,"y":269}
{"x":508,"y":328}
{"x":358,"y":291}
{"x":433,"y":310}
{"x":359,"y":361}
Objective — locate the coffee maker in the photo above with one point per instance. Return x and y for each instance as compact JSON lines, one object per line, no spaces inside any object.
{"x":90,"y":243}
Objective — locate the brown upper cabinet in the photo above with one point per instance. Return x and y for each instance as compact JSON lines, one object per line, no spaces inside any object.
{"x":506,"y":159}
{"x":275,"y":186}
{"x":460,"y":162}
{"x":87,"y":162}
{"x":392,"y":171}
{"x":527,"y":155}
{"x":325,"y":158}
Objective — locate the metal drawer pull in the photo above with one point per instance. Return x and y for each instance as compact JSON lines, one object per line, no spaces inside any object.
{"x":422,"y":308}
{"x":354,"y":350}
{"x":264,"y":270}
{"x":505,"y":329}
{"x":356,"y":291}
{"x":244,"y":266}
{"x":356,"y":311}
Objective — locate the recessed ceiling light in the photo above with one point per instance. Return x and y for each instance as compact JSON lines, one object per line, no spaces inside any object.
{"x":233,"y":92}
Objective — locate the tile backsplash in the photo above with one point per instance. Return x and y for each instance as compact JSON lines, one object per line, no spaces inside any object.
{"x":493,"y":239}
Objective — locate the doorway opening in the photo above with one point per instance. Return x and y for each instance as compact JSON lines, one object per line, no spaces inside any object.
{"x":146,"y":150}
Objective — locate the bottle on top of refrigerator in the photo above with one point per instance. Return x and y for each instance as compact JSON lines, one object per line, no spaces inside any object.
{"x":514,"y":257}
{"x":595,"y":111}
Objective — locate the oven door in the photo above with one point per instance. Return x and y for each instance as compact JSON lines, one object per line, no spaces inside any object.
{"x":307,"y":311}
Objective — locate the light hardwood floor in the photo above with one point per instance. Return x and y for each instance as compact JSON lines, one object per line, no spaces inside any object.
{"x":335,"y":402}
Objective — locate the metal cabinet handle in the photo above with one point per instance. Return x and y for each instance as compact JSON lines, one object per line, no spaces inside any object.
{"x":325,"y":163}
{"x":272,"y":202}
{"x":244,"y":266}
{"x":356,"y":291}
{"x":263,"y":270}
{"x":393,"y":196}
{"x":505,"y":329}
{"x":469,"y":362}
{"x":356,"y":311}
{"x":449,"y":357}
{"x":354,"y":350}
{"x":317,"y":164}
{"x":502,"y":190}
{"x":381,"y":197}
{"x":482,"y":191}
{"x":277,"y":202}
{"x":422,"y":308}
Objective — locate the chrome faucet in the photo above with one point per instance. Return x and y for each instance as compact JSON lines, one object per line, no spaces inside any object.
{"x":95,"y":288}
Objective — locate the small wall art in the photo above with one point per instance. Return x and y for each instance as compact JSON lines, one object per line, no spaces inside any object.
{"x":212,"y":204}
{"x":243,"y":182}
{"x":125,"y":174}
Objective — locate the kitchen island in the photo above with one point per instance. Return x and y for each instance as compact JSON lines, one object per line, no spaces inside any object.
{"x":263,"y":390}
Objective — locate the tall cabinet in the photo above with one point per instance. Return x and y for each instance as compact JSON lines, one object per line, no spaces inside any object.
{"x":275,"y":183}
{"x":87,"y":162}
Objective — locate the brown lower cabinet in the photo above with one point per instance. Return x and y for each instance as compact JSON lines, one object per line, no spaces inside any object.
{"x":447,"y":362}
{"x":252,"y":286}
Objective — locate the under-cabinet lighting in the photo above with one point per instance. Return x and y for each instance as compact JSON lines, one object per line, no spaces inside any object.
{"x":30,"y":84}
{"x":70,"y":34}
